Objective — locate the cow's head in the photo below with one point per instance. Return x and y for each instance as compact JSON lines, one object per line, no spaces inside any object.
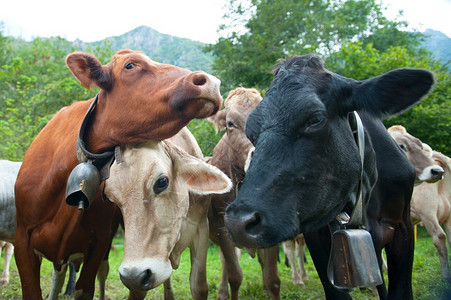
{"x":141,"y":99}
{"x":306,"y":166}
{"x":419,"y":154}
{"x":151,"y":186}
{"x":237,"y":107}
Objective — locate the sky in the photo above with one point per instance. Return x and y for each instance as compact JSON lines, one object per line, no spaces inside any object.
{"x":194,"y":19}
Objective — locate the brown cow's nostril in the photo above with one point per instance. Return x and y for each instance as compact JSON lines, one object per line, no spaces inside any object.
{"x":199,"y":79}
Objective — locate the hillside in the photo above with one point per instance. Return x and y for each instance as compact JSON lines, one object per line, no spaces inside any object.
{"x":160,"y":47}
{"x":439,"y":44}
{"x":188,"y":53}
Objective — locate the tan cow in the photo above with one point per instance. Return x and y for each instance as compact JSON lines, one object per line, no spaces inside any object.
{"x":295,"y":251}
{"x":431,"y":204}
{"x":425,"y":168}
{"x":160,"y":190}
{"x":230,"y":156}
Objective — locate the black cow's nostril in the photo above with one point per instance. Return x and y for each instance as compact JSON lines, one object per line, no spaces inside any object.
{"x":253,"y":223}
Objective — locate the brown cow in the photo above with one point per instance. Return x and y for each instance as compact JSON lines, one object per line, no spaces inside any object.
{"x":161,"y":190}
{"x":431,"y":204}
{"x":139,"y":100}
{"x":230,"y":155}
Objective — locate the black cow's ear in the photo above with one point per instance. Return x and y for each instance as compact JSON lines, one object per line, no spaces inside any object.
{"x":393,"y":92}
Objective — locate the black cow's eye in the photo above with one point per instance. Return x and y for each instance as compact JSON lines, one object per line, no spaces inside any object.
{"x":316,"y":122}
{"x":129,"y":66}
{"x":161,"y":184}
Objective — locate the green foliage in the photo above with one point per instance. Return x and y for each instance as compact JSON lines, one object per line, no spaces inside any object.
{"x":205,"y":134}
{"x":277,"y":29}
{"x":34,"y":85}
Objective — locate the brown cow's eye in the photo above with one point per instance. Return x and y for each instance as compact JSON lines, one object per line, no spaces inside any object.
{"x":129,"y":66}
{"x":161,"y":184}
{"x":230,"y":124}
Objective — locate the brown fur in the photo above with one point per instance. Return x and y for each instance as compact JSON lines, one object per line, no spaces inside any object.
{"x":135,"y":105}
{"x":230,"y":155}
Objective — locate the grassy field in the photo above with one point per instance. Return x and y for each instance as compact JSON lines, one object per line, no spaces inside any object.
{"x":427,"y":281}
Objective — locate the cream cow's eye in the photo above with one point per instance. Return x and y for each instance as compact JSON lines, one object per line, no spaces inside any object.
{"x":161,"y":184}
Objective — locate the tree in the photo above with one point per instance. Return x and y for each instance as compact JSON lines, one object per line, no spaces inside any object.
{"x":276,"y":29}
{"x":353,"y":37}
{"x":34,"y":84}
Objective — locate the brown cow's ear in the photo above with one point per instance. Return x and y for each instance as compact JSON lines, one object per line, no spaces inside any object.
{"x":88,"y":70}
{"x":219,"y":120}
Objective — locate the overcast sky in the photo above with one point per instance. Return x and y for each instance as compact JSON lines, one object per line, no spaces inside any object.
{"x":194,"y":19}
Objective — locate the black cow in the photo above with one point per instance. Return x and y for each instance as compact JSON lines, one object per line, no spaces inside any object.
{"x":306,"y":166}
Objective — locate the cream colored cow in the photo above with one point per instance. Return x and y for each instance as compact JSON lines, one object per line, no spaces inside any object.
{"x":162,"y":190}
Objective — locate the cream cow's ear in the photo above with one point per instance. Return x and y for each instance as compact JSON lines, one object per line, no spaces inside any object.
{"x":201,"y":177}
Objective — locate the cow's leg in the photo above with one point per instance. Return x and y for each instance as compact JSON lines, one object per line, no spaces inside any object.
{"x":57,"y":282}
{"x":28,"y":264}
{"x":223,"y":290}
{"x":300,"y":253}
{"x":168,"y":292}
{"x":268,"y":261}
{"x":400,"y":261}
{"x":447,"y":226}
{"x":318,"y":243}
{"x":102,"y":275}
{"x":70,"y":287}
{"x":439,"y":240}
{"x":289,"y":250}
{"x":9,"y":249}
{"x":231,"y":268}
{"x":198,"y":251}
{"x":85,"y":286}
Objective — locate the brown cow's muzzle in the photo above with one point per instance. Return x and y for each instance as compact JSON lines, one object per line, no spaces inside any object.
{"x":197,"y":95}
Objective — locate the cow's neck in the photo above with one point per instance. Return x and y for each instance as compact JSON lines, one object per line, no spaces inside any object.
{"x":109,"y":128}
{"x":89,"y":139}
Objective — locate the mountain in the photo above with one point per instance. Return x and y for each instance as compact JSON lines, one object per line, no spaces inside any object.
{"x":160,"y":47}
{"x":439,"y":44}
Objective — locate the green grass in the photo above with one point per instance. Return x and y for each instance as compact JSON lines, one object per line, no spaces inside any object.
{"x":427,"y":281}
